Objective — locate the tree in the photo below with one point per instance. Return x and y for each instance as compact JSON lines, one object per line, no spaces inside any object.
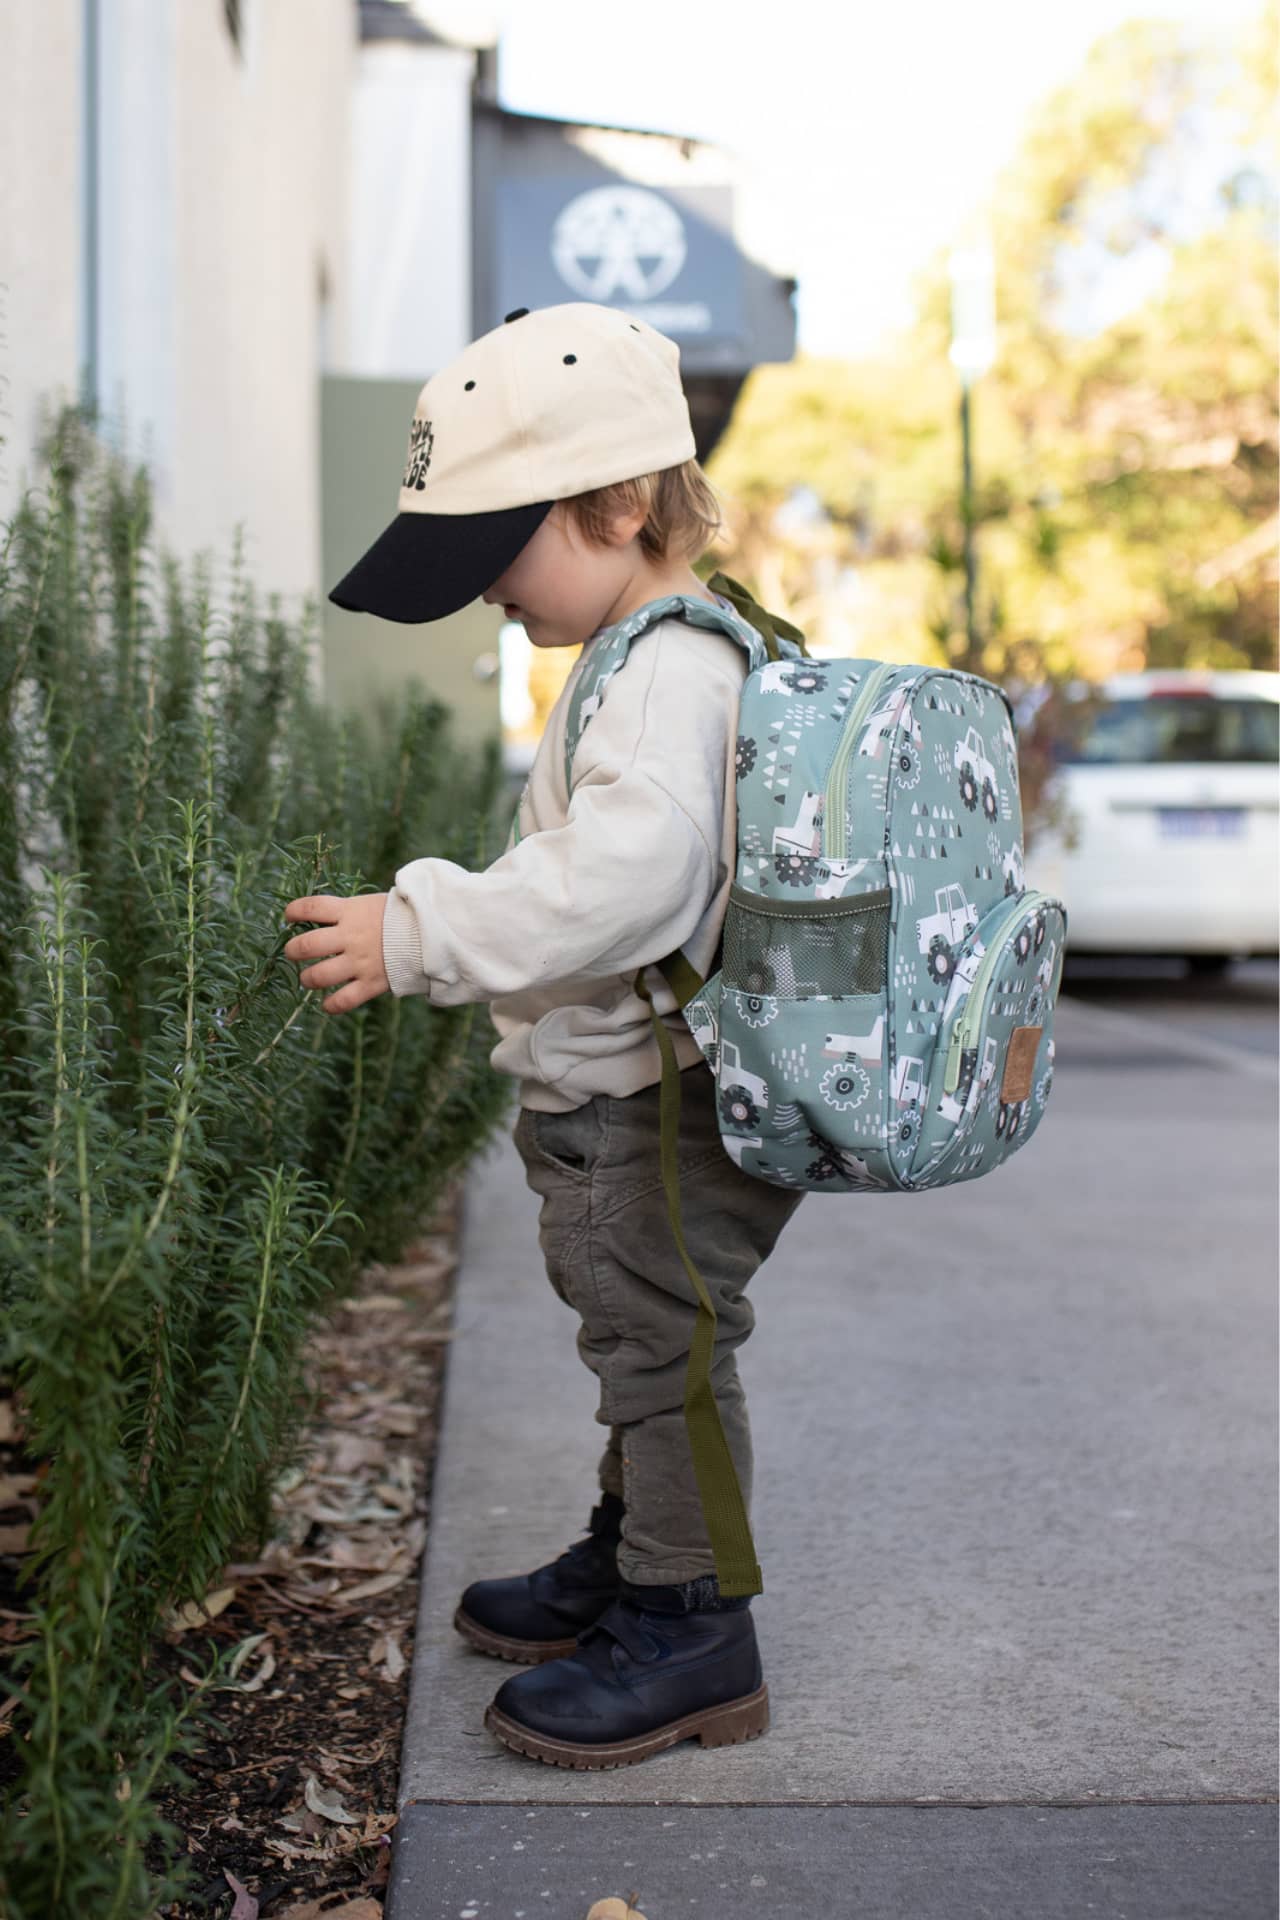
{"x":1127,"y":456}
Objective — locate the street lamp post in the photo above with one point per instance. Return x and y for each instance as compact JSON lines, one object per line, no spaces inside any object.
{"x":973,"y":352}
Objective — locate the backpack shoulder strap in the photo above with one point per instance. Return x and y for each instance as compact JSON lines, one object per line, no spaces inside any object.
{"x":764,"y":636}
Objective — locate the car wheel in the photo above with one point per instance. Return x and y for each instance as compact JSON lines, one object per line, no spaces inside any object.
{"x":1208,"y":966}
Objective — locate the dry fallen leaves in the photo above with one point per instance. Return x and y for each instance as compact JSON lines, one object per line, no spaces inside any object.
{"x":196,"y":1613}
{"x":246,"y":1906}
{"x":362,"y":1909}
{"x":327,"y":1803}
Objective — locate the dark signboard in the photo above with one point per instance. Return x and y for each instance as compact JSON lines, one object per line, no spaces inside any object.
{"x":664,"y":254}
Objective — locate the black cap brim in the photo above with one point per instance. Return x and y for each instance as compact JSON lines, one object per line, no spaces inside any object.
{"x":426,"y":565}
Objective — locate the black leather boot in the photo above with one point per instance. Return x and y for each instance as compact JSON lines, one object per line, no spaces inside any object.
{"x":539,"y":1615}
{"x":661,"y":1665}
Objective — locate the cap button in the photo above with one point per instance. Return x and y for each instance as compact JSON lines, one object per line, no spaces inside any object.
{"x":517,"y":313}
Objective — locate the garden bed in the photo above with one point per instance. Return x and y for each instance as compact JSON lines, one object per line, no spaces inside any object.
{"x":295,"y":1801}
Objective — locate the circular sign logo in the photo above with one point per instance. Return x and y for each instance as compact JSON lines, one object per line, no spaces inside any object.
{"x":618,"y":240}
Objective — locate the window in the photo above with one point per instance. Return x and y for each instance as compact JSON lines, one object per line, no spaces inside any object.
{"x":1180,"y":727}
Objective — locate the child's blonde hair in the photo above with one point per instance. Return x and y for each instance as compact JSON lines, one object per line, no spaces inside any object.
{"x":681,"y":510}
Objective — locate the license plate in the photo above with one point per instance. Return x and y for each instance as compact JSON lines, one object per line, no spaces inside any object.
{"x":1182,"y":823}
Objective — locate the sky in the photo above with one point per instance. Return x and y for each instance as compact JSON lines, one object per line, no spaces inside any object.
{"x":865,"y":136}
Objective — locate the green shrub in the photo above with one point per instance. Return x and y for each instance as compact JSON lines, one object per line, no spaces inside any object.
{"x":196,"y":1159}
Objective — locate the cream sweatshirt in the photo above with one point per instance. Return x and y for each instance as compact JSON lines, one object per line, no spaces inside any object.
{"x":637,"y":864}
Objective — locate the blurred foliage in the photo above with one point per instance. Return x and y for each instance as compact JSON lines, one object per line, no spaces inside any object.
{"x":1125,"y":473}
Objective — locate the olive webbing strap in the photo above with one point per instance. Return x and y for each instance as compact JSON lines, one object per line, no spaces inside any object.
{"x":723,"y":1507}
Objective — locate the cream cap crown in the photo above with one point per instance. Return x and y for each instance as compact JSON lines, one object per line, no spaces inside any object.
{"x":553,"y":402}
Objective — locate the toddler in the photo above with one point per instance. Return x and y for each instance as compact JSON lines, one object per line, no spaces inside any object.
{"x":552,"y":469}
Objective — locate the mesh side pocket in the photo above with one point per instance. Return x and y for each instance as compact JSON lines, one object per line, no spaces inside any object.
{"x":794,"y":948}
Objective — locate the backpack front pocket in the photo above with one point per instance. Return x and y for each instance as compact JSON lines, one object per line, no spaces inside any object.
{"x":800,"y":1066}
{"x":795,"y":949}
{"x":993,"y":1062}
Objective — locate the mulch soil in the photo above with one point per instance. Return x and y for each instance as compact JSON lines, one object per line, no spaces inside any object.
{"x":290,"y":1808}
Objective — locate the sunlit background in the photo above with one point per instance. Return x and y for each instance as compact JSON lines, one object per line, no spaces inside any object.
{"x":976,"y":309}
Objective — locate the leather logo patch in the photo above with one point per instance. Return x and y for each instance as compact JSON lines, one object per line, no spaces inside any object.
{"x":1020,"y":1063}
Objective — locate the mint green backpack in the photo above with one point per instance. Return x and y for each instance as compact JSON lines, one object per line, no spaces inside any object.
{"x":881,"y":1016}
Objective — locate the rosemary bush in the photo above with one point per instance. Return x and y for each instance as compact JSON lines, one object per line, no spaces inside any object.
{"x":195,"y":1158}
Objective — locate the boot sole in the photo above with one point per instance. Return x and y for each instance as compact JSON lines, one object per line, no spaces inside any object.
{"x":526,"y":1652}
{"x":724,"y":1726}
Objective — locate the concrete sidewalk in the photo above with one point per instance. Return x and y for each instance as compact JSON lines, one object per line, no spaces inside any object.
{"x":1018,"y":1548}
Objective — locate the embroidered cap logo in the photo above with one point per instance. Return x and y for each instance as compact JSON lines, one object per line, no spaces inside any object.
{"x":421,"y":441}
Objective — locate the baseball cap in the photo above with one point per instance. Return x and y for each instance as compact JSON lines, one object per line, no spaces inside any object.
{"x":551,"y":403}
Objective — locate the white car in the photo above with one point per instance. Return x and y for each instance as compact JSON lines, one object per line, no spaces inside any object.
{"x":1173,"y":799}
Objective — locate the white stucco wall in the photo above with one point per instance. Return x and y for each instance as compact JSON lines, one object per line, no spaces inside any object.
{"x":39,"y":223}
{"x":223,"y":202}
{"x":410,"y":209}
{"x":263,"y":153}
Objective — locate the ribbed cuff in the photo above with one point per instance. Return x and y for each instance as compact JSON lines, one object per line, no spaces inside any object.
{"x":402,"y":947}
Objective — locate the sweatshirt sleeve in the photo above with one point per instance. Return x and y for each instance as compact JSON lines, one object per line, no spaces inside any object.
{"x":621,"y":884}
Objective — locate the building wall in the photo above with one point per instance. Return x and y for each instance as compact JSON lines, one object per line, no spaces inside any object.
{"x":410,"y":251}
{"x":220,"y":181}
{"x":40,"y":56}
{"x":368,"y":660}
{"x":410,"y":245}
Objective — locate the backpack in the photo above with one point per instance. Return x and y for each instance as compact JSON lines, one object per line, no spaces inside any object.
{"x":879,"y":1014}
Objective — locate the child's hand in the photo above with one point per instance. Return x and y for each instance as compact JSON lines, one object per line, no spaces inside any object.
{"x":352,"y":935}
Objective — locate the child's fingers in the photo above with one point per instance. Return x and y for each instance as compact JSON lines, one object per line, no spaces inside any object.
{"x":329,"y":973}
{"x":354,"y":994}
{"x":310,"y":946}
{"x":316,"y":906}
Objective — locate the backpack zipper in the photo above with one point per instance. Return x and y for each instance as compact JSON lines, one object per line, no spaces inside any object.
{"x":969,"y":1024}
{"x":835,"y":843}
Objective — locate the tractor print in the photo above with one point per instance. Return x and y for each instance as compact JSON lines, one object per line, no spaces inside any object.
{"x":781,"y":676}
{"x":834,"y":876}
{"x":734,"y":1145}
{"x":1029,"y":938}
{"x":742,"y":1094}
{"x":970,"y":1087}
{"x":882,"y":725}
{"x":856,"y":1171}
{"x":795,"y":847}
{"x":1014,"y":874}
{"x":939,"y":934}
{"x":867,"y":1047}
{"x":908,"y":1081}
{"x":700,"y":1018}
{"x":907,"y":1091}
{"x":1044,"y":972}
{"x":962,"y":980}
{"x":1045,"y":1081}
{"x":1010,"y":1115}
{"x":977,"y":775}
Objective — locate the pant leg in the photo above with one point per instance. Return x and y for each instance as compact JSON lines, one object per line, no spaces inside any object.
{"x":611,"y":1254}
{"x":609,"y":1471}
